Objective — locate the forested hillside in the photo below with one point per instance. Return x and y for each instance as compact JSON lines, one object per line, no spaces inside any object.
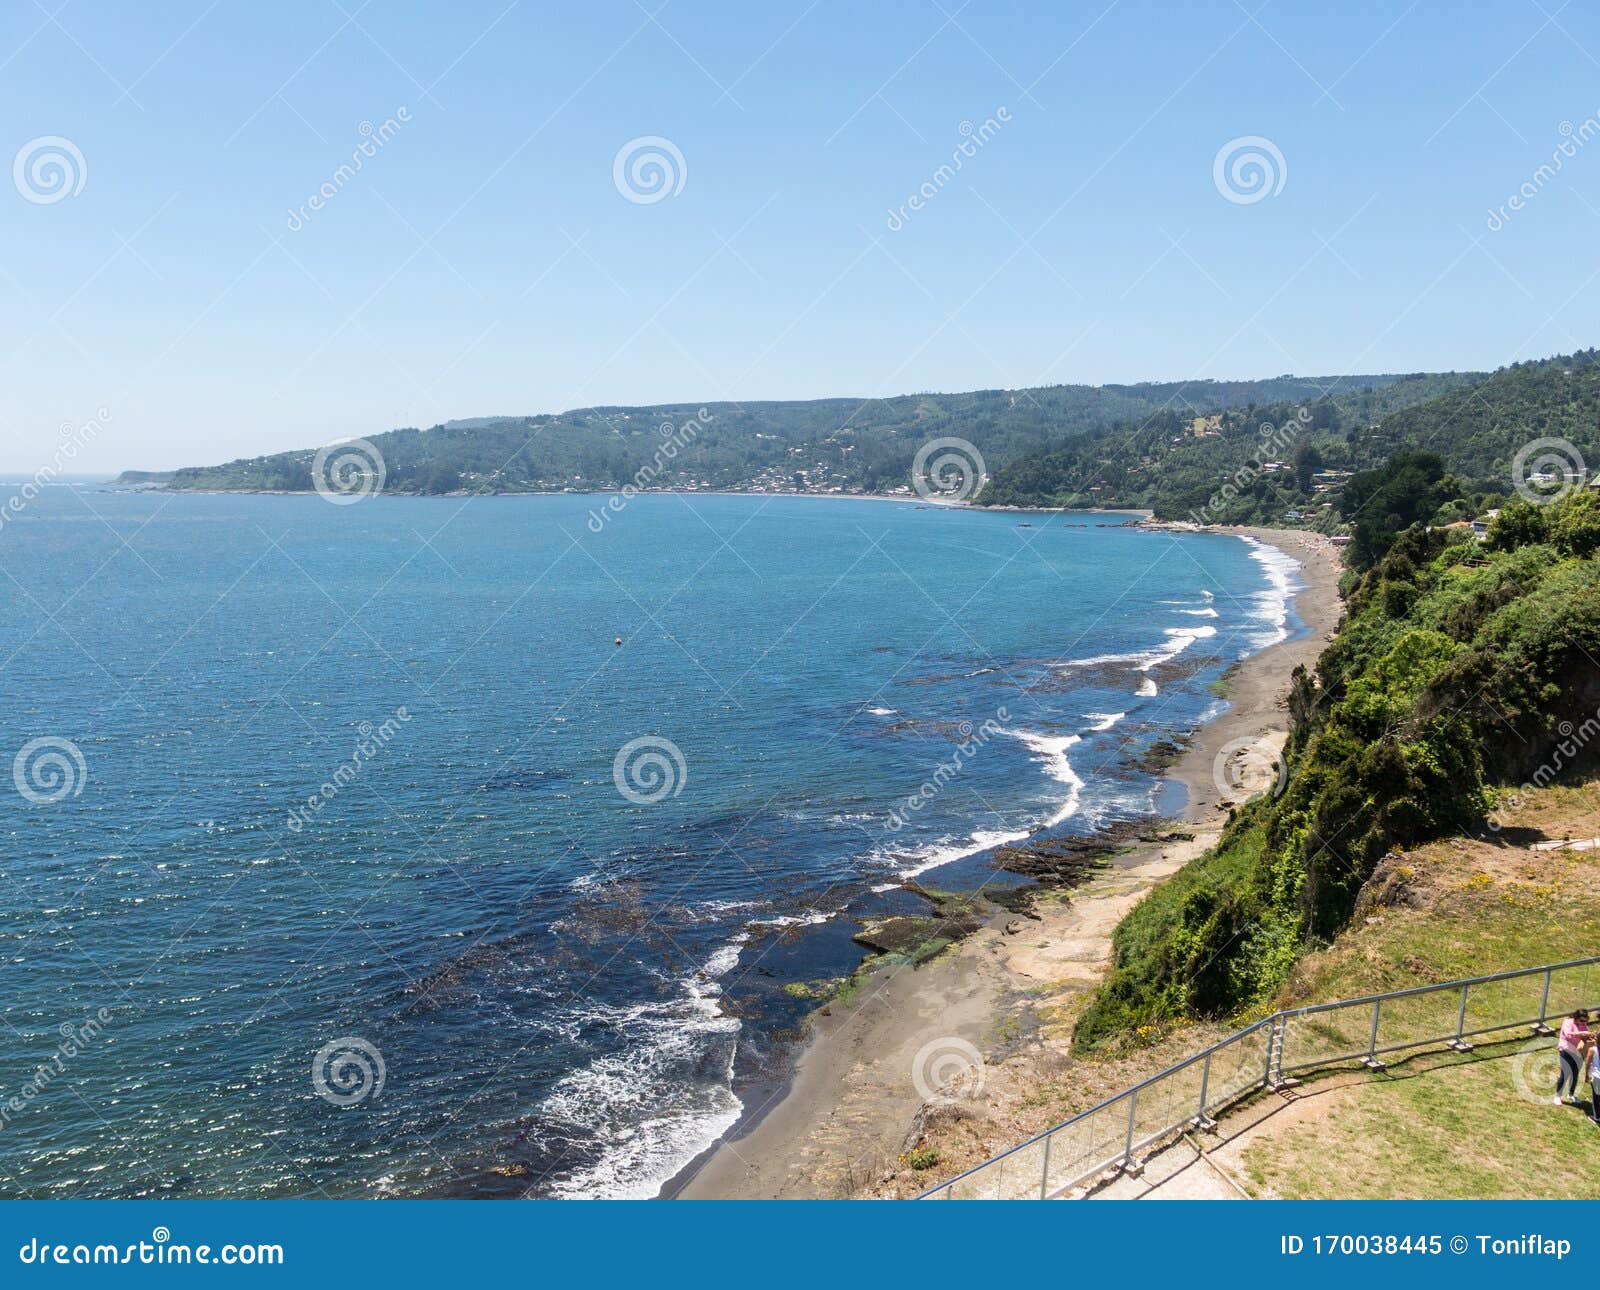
{"x":864,"y":445}
{"x":1256,"y":464}
{"x":1241,"y":466}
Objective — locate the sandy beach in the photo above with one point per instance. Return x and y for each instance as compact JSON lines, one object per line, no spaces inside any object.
{"x":848,"y":1121}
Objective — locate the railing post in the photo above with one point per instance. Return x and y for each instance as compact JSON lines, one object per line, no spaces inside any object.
{"x":1044,"y":1172}
{"x":1201,"y":1119}
{"x":1276,"y":1037}
{"x":1370,"y":1061}
{"x":1459,"y":1043}
{"x":1539,"y":1027}
{"x":1128,"y":1166}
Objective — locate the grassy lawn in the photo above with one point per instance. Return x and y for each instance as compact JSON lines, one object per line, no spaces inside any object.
{"x":1436,"y":1127}
{"x":1442,"y":1124}
{"x":1463,"y":908}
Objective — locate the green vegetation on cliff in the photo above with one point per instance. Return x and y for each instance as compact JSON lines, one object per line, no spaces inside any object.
{"x":1463,"y":669}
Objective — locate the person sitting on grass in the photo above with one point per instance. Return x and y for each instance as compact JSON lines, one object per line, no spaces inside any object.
{"x":1574,"y":1037}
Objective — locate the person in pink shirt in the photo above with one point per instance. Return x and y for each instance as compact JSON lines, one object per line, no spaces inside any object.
{"x":1570,"y":1043}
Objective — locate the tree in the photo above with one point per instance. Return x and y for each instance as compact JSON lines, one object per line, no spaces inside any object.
{"x":438,"y":477}
{"x":1307,"y":462}
{"x":1575,"y":526}
{"x":1519,"y":524}
{"x":1385,"y":502}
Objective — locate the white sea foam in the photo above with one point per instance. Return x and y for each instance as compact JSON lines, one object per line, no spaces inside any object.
{"x":719,"y":964}
{"x":1052,"y":751}
{"x":913,"y":863}
{"x":881,"y":712}
{"x":717,"y":910}
{"x":1095,"y":660}
{"x":1271,"y":607}
{"x":1147,"y":689}
{"x":1178,"y":640}
{"x":1103,"y":720}
{"x":792,"y":920}
{"x":1207,"y":612}
{"x":651,"y":1103}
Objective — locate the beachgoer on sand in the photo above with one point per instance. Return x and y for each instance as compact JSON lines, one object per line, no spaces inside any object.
{"x":1569,"y":1047}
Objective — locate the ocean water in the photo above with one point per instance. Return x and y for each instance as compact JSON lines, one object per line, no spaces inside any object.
{"x":344,"y":782}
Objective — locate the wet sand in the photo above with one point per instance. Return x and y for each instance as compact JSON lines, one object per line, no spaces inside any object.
{"x":845,"y":1123}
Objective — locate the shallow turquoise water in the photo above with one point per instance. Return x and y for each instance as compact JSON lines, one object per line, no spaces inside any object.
{"x":554,"y":977}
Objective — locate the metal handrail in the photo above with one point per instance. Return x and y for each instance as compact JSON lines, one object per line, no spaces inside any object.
{"x":1432,"y":989}
{"x":1099,"y":1106}
{"x":1271,"y":1071}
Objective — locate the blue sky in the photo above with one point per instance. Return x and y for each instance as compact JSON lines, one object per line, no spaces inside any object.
{"x":483,"y":259}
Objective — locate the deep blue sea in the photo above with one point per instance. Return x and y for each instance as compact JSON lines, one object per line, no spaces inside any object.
{"x":345,"y":781}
